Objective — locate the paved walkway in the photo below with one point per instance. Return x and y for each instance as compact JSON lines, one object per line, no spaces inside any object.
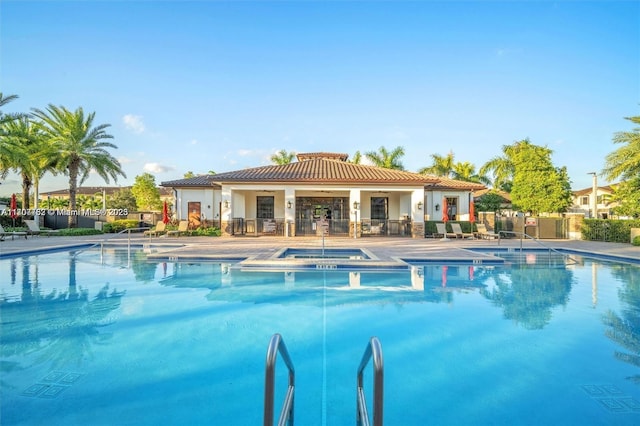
{"x":264,"y":248}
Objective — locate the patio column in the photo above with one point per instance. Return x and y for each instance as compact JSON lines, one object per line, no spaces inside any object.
{"x":226,"y":212}
{"x":355,"y":218}
{"x":289,"y":212}
{"x":417,"y":213}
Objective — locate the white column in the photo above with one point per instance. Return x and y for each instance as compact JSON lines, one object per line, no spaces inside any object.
{"x":594,"y":196}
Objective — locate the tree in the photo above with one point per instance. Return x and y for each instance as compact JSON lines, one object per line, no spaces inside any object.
{"x":441,"y":165}
{"x":189,"y":175}
{"x":8,"y":151}
{"x":502,"y":169}
{"x":123,"y":199}
{"x":146,"y":192}
{"x":624,"y":162}
{"x":79,"y":148}
{"x":357,"y":158}
{"x":467,"y":172}
{"x":32,"y":156}
{"x":283,"y":157}
{"x":492,"y":201}
{"x":386,"y":159}
{"x":538,"y":186}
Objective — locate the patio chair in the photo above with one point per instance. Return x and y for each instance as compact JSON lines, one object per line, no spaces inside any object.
{"x":457,"y":229}
{"x":183,"y":227}
{"x":4,"y":233}
{"x":34,"y":229}
{"x":484,"y":233}
{"x":160,"y":229}
{"x":442,"y":230}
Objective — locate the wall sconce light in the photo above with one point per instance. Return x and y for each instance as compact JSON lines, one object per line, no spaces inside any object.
{"x":356,"y":205}
{"x":208,"y":206}
{"x":288,"y":204}
{"x":419,"y":205}
{"x":226,"y":204}
{"x":437,"y":207}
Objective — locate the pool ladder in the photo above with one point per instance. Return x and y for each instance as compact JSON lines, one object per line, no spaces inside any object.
{"x":373,"y":350}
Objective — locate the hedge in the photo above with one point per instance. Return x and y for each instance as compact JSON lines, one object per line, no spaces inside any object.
{"x":608,"y":230}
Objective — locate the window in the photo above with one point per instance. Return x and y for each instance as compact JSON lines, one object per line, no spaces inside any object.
{"x":584,"y":201}
{"x":452,"y":208}
{"x":379,"y":208}
{"x":264,"y":207}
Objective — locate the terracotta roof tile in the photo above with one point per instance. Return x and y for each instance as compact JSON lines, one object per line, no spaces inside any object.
{"x":197,"y":181}
{"x":323,"y":170}
{"x":446,"y":183}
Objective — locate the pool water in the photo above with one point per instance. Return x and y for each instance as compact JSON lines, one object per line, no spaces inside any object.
{"x":330,"y":253}
{"x":103,"y":337}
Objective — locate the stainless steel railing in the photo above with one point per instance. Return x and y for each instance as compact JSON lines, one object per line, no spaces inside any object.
{"x":525,"y":236}
{"x":276,"y":345}
{"x":373,"y":350}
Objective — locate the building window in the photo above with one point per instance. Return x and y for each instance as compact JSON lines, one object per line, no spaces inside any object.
{"x":265,"y":209}
{"x":452,"y":208}
{"x":379,"y":208}
{"x":584,"y":201}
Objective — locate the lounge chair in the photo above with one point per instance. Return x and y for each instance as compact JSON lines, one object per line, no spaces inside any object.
{"x":183,"y":227}
{"x":442,"y":230}
{"x":484,"y":233}
{"x":4,"y":233}
{"x":457,"y":229}
{"x":160,"y":229}
{"x":34,"y":229}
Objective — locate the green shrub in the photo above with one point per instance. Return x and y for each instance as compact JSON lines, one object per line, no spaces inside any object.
{"x":76,"y":232}
{"x":120,"y":225}
{"x":206,"y":232}
{"x":608,"y":230}
{"x":636,"y":241}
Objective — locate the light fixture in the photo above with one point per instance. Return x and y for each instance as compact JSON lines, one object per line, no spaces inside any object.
{"x":356,"y":205}
{"x":288,"y":204}
{"x":226,"y":204}
{"x":437,"y":207}
{"x":419,"y":205}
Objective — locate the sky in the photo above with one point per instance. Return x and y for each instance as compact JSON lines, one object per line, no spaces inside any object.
{"x":222,"y":85}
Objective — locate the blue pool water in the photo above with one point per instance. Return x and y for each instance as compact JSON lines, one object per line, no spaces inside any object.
{"x":104,"y":337}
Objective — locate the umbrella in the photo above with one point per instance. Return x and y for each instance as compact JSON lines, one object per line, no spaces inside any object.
{"x":13,"y":209}
{"x":445,"y":214}
{"x":472,"y":213}
{"x":165,"y":213}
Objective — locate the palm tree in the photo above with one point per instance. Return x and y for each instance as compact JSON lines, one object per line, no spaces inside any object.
{"x":7,"y":150}
{"x":357,"y":158}
{"x":79,"y":147}
{"x":624,"y":162}
{"x":441,"y":166}
{"x":282,"y":157}
{"x":30,"y":155}
{"x":386,"y":159}
{"x":467,"y":172}
{"x":501,"y":168}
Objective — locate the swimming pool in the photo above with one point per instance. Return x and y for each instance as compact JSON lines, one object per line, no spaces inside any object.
{"x":107,"y":337}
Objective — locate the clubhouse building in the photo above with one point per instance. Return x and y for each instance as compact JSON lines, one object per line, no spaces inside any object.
{"x":320,"y":193}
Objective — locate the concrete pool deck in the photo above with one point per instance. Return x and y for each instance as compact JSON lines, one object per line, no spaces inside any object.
{"x":386,"y":251}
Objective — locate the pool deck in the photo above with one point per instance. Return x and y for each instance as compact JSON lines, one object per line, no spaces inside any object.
{"x":262,"y":251}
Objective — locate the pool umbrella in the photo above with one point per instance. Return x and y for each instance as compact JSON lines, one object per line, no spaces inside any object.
{"x":13,"y":209}
{"x":472,"y":213}
{"x":165,"y":213}
{"x":445,"y":214}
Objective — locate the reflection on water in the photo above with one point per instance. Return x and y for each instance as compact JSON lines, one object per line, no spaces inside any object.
{"x":624,"y":328}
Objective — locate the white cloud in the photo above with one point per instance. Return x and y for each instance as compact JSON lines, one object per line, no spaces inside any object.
{"x":125,"y":160}
{"x":156,"y":168}
{"x":133,"y":123}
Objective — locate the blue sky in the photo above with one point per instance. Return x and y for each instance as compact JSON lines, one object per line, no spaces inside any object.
{"x":222,"y":85}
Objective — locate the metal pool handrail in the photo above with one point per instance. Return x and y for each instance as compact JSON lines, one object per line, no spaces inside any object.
{"x":128,"y":230}
{"x":522,"y":234}
{"x":373,"y":349}
{"x":276,"y":344}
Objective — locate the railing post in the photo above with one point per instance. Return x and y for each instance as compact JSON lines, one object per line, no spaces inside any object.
{"x":373,"y":350}
{"x":276,"y":344}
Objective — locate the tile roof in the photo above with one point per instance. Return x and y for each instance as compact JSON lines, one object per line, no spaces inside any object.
{"x":93,"y":190}
{"x":197,"y":181}
{"x":446,"y":183}
{"x":323,"y":170}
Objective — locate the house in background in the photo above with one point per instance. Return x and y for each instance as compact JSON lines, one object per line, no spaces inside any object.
{"x":583,"y":198}
{"x":320,"y":193}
